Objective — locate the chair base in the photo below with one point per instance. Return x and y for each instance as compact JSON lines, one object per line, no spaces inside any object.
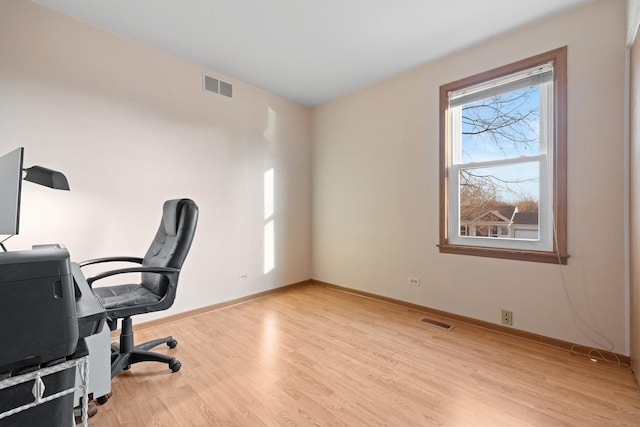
{"x":126,"y":354}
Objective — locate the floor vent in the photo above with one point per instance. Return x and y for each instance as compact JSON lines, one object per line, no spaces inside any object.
{"x":211,"y":84}
{"x":438,"y":324}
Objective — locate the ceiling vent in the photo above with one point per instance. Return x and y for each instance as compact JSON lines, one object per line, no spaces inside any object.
{"x":211,"y":84}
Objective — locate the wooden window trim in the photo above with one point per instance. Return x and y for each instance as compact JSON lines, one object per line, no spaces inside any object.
{"x":559,"y":253}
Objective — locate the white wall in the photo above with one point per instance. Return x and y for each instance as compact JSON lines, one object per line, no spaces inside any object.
{"x":375,"y":188}
{"x":131,"y":127}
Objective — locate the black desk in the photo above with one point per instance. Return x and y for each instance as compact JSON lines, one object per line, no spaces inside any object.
{"x":90,"y":313}
{"x":91,"y":323}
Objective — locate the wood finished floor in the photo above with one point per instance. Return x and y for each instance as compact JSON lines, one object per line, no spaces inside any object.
{"x":314,"y":356}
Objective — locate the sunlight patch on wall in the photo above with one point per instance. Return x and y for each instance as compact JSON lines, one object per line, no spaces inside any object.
{"x":269,"y":227}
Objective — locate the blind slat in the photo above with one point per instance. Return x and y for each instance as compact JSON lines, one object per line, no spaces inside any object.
{"x":532,"y":77}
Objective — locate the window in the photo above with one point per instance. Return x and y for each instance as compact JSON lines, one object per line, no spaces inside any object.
{"x":503,"y":162}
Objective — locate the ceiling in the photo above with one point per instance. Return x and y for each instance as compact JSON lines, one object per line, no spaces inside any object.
{"x":310,"y":51}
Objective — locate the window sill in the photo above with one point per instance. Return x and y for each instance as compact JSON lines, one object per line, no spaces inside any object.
{"x":516,"y":254}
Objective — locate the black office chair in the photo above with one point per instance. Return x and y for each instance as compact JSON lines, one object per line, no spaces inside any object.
{"x":159,"y":270}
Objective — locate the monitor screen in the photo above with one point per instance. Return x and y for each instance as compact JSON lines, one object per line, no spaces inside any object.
{"x":10,"y":187}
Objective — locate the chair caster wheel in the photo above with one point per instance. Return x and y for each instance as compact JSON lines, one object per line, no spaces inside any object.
{"x":103,"y":399}
{"x":175,"y":366}
{"x":172,"y":343}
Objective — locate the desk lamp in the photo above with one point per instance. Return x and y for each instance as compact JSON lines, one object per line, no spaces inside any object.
{"x":47,"y":177}
{"x":43,"y":176}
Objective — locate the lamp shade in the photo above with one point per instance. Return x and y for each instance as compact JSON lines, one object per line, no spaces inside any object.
{"x":47,"y":177}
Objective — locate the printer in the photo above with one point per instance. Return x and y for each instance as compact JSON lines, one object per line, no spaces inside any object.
{"x":45,"y":315}
{"x":37,"y":308}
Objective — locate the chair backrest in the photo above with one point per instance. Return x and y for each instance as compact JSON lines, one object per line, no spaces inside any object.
{"x":171,"y":243}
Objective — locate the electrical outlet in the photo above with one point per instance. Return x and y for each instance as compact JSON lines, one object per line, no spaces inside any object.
{"x":413,"y":281}
{"x":242,"y":277}
{"x":507,"y":317}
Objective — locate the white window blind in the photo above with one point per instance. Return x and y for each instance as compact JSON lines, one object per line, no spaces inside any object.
{"x":530,"y":77}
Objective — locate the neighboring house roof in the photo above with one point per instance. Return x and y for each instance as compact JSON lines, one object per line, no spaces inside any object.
{"x":526,"y":218}
{"x":491,"y":216}
{"x":507,"y":211}
{"x":499,"y":214}
{"x":508,"y":214}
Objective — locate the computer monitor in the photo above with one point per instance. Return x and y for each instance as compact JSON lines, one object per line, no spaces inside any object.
{"x":10,"y":189}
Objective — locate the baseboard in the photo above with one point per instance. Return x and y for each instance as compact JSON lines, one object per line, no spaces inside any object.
{"x":213,"y":307}
{"x":530,"y":336}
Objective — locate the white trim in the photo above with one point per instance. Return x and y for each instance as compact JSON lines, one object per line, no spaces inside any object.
{"x":627,"y":201}
{"x":501,"y":162}
{"x":633,"y":20}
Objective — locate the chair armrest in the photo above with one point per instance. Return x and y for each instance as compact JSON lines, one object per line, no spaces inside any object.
{"x":168,"y":272}
{"x":111,"y":259}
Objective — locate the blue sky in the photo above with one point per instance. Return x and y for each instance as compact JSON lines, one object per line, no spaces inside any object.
{"x":484,"y":147}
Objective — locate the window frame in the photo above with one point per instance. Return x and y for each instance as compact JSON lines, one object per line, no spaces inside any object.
{"x":558,"y":254}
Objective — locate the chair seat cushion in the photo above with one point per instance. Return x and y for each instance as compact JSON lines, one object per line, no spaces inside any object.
{"x":125,"y":296}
